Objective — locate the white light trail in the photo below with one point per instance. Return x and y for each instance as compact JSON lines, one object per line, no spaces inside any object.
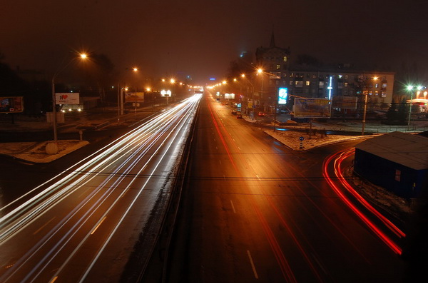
{"x":112,"y":164}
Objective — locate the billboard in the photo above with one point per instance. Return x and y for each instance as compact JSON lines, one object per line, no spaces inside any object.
{"x":165,"y":93}
{"x":11,"y":104}
{"x":134,"y":97}
{"x":67,"y":98}
{"x":282,"y":95}
{"x":229,"y":95}
{"x":311,"y":108}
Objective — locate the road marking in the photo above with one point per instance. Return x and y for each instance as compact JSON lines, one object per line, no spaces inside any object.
{"x":102,"y":220}
{"x":252,"y":264}
{"x":257,"y":176}
{"x":38,"y":230}
{"x":124,"y":192}
{"x":233,"y":207}
{"x":54,"y":279}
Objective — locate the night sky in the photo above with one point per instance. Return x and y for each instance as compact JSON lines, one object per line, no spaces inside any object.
{"x":201,"y":37}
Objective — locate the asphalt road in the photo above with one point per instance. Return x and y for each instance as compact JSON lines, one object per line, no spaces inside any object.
{"x":81,"y":225}
{"x":256,"y":211}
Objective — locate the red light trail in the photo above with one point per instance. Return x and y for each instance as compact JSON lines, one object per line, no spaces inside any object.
{"x":338,"y":159}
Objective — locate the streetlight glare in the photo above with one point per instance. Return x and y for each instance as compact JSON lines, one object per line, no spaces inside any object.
{"x":259,"y":70}
{"x":83,"y":55}
{"x":135,"y":69}
{"x":409,"y":87}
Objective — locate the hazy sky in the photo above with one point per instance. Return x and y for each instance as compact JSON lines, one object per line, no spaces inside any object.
{"x":201,"y":37}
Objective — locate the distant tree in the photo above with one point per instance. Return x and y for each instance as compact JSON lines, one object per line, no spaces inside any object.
{"x":392,"y":113}
{"x":10,"y":83}
{"x":402,"y":112}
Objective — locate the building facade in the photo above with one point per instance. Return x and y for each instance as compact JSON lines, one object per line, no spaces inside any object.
{"x":346,"y":88}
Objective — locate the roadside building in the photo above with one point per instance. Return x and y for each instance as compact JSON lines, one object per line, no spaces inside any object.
{"x":345,"y":86}
{"x":396,"y":161}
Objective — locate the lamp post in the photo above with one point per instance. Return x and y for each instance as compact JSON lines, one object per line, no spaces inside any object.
{"x":252,"y":93}
{"x":410,"y":89}
{"x":364,"y":114}
{"x":365,"y":104}
{"x":52,"y":148}
{"x":260,"y":71}
{"x":120,"y":100}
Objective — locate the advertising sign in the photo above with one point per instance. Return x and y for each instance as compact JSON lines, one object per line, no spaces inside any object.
{"x":312,"y":108}
{"x":282,"y":95}
{"x":11,"y":104}
{"x":165,"y":93}
{"x":229,"y":95}
{"x":134,"y":97}
{"x":67,"y":98}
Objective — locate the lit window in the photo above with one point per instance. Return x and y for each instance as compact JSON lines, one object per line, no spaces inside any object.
{"x":376,"y":85}
{"x":291,"y":82}
{"x":346,"y":84}
{"x":299,"y":83}
{"x":278,"y":66}
{"x":308,"y":82}
{"x":285,"y":58}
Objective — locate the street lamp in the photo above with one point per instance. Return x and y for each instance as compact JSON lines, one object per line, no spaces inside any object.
{"x":52,"y":148}
{"x":260,"y":71}
{"x":365,"y":105}
{"x":120,"y":104}
{"x":252,"y":95}
{"x":410,"y":88}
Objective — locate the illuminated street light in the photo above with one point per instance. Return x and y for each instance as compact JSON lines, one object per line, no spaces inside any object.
{"x":410,"y":89}
{"x":52,"y":148}
{"x":365,"y":108}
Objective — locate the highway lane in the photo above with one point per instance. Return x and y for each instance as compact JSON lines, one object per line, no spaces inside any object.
{"x":81,"y":225}
{"x":263,"y":213}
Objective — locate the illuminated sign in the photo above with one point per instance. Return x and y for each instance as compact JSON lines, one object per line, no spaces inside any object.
{"x":229,"y":95}
{"x":11,"y":104}
{"x":134,"y":97}
{"x":67,"y":98}
{"x":166,"y":93}
{"x":282,"y":95}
